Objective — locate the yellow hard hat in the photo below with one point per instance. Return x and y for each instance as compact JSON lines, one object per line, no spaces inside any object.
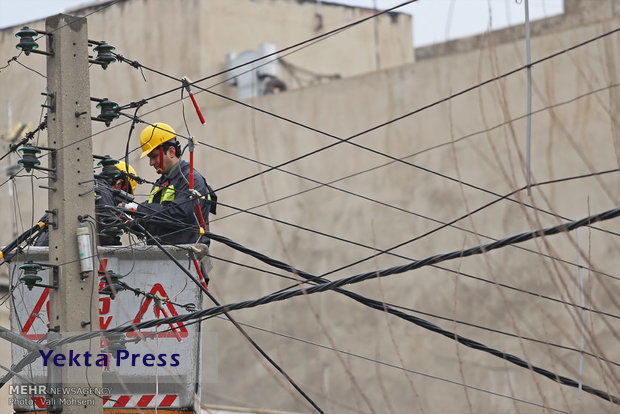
{"x":128,"y":168}
{"x":154,"y":135}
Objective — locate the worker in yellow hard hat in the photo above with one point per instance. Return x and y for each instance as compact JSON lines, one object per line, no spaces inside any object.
{"x":173,"y":208}
{"x":126,"y":183}
{"x":106,"y":200}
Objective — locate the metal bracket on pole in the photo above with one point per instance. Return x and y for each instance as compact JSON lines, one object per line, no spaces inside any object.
{"x":52,"y":219}
{"x":53,"y":277}
{"x":52,"y":102}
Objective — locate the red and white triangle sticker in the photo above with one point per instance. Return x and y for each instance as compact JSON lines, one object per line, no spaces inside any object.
{"x":44,"y":316}
{"x":178,"y":330}
{"x":36,"y":313}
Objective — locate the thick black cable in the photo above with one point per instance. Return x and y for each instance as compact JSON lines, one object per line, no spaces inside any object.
{"x":34,"y":230}
{"x":336,"y":286}
{"x":232,"y":320}
{"x":449,"y":319}
{"x":432,"y":315}
{"x":458,"y":273}
{"x":249,"y":211}
{"x":28,"y":136}
{"x":437,"y":229}
{"x":438,"y":258}
{"x":503,"y":285}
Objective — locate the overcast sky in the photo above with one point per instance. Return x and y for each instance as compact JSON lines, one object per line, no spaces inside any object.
{"x":434,"y":20}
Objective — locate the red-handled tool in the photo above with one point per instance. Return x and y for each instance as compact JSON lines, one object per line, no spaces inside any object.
{"x":186,"y":83}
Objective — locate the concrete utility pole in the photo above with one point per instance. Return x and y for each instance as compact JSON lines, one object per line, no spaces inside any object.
{"x":74,"y":304}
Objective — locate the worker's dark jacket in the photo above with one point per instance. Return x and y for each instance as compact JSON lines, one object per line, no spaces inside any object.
{"x":171,"y":213}
{"x":105,"y":202}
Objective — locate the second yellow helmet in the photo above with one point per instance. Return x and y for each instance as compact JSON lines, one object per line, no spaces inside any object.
{"x":121,"y":166}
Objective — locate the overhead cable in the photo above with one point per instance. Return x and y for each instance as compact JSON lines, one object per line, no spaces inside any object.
{"x":425,"y":107}
{"x":458,"y":273}
{"x":249,"y":211}
{"x":336,"y":286}
{"x":432,"y":315}
{"x":451,"y":223}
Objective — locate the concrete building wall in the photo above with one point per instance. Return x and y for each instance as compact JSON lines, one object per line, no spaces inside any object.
{"x":576,"y":136}
{"x":477,"y":137}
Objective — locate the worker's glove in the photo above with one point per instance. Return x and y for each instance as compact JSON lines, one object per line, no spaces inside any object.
{"x":129,"y":206}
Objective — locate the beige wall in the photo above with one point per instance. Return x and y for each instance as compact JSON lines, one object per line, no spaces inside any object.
{"x":570,"y":139}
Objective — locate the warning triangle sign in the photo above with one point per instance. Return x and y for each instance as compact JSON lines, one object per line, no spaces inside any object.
{"x":44,"y":316}
{"x":37,"y":314}
{"x":160,"y":309}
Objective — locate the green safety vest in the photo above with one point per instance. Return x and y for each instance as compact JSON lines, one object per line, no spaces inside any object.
{"x":168,"y":193}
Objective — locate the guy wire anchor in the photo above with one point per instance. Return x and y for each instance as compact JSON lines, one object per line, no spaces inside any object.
{"x":186,"y":83}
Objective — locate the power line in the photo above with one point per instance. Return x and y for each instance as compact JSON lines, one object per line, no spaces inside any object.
{"x":443,"y":226}
{"x":187,"y":227}
{"x":458,"y":273}
{"x":336,"y":285}
{"x":446,"y":269}
{"x":381,"y":125}
{"x":30,"y":69}
{"x":428,"y":218}
{"x":308,"y":42}
{"x":425,"y":107}
{"x":470,"y":135}
{"x":13,"y":59}
{"x":432,"y":315}
{"x":348,"y":140}
{"x":340,"y":140}
{"x":401,"y":160}
{"x":373,"y":200}
{"x":376,"y":361}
